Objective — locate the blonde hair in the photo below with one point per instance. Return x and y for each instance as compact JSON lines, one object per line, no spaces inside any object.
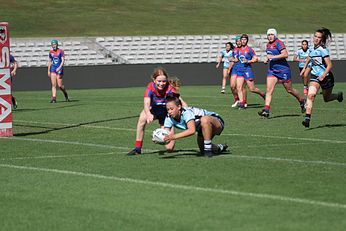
{"x":175,"y":82}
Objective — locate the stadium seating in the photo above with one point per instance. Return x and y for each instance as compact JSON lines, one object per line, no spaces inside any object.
{"x":153,"y":49}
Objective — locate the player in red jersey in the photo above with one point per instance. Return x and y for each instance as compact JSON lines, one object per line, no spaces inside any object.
{"x":278,"y":72}
{"x":56,"y":69}
{"x":245,"y":56}
{"x":154,"y":107}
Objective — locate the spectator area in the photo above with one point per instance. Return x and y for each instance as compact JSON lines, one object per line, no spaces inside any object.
{"x":152,"y":49}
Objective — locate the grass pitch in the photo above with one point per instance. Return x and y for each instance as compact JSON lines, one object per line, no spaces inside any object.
{"x":66,"y":166}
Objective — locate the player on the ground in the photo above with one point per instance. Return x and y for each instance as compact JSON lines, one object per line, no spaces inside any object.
{"x":56,"y":70}
{"x":245,"y":55}
{"x":191,"y":119}
{"x":224,"y":57}
{"x":154,"y":107}
{"x":278,"y":71}
{"x":321,"y":75}
{"x":13,"y":69}
{"x":300,"y":57}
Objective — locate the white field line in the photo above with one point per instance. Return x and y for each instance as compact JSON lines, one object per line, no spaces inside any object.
{"x":223,"y":134}
{"x":183,"y":187}
{"x":65,"y":124}
{"x":153,"y":150}
{"x":58,"y":156}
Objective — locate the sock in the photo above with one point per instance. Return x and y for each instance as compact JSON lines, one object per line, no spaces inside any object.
{"x":236,"y":98}
{"x":306,"y":87}
{"x":307,"y":116}
{"x":139,"y":144}
{"x":207,"y":145}
{"x":266,"y":108}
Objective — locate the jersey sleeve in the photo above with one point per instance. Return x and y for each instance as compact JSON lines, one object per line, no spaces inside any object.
{"x":168,"y":122}
{"x":188,"y":115}
{"x":149,"y":90}
{"x":280,"y":45}
{"x":252,"y":52}
{"x":325,"y":52}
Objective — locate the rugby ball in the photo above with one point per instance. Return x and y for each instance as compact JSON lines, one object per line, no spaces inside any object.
{"x":158,"y":136}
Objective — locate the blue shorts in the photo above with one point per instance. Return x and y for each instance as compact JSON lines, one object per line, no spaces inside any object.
{"x":60,"y":72}
{"x":159,"y":113}
{"x":247,"y":75}
{"x":282,"y":75}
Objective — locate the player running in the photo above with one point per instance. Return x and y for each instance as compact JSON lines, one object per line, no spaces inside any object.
{"x":224,"y":57}
{"x":245,"y":55}
{"x":154,"y":107}
{"x":233,"y":69}
{"x":321,"y":75}
{"x":300,"y":57}
{"x":191,"y":119}
{"x":56,"y":70}
{"x":278,"y":71}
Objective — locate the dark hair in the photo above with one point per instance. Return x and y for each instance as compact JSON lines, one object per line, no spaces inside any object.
{"x":231,"y":44}
{"x":244,"y":36}
{"x":305,"y":41}
{"x":326,"y":35}
{"x":173,"y":97}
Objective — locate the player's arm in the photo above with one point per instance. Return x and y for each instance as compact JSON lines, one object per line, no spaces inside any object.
{"x":147,"y":102}
{"x":15,"y":66}
{"x":219,"y":59}
{"x":49,"y":65}
{"x":295,"y":58}
{"x":253,"y":59}
{"x":61,"y":64}
{"x":283,"y":54}
{"x":329,"y":66}
{"x":305,"y":65}
{"x":191,"y":130}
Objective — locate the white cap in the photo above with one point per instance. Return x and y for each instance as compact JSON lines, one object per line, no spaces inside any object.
{"x":272,"y":31}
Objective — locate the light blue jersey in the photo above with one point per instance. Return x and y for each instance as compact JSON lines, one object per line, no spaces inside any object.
{"x":317,"y":55}
{"x":187,"y":114}
{"x":301,"y":54}
{"x":226,"y":55}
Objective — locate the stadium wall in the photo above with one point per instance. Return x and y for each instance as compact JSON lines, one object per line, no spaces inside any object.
{"x":113,"y":76}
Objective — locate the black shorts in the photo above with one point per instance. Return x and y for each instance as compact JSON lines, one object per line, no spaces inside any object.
{"x":199,"y":127}
{"x":327,"y":83}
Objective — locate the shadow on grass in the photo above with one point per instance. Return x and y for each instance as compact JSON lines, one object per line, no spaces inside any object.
{"x":47,"y":108}
{"x":284,"y":116}
{"x":50,"y":129}
{"x":184,"y":153}
{"x":254,"y":105}
{"x":327,"y":126}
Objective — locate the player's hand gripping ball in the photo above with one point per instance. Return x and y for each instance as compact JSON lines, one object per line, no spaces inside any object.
{"x":158,"y":136}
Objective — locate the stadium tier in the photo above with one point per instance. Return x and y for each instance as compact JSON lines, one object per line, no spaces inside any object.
{"x":152,"y":49}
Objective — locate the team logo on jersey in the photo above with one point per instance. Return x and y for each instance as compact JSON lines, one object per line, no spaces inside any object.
{"x":3,"y":34}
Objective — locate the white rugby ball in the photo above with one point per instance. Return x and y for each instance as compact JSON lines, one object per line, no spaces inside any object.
{"x":158,"y":135}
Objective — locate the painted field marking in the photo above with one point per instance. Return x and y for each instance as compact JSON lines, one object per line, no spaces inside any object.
{"x":156,"y":150}
{"x":183,"y":187}
{"x":223,"y":134}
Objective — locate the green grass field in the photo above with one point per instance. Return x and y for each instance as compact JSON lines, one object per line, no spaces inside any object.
{"x":66,"y":167}
{"x":61,"y":18}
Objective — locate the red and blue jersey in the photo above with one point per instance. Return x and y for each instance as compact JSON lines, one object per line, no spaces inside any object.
{"x":236,"y":64}
{"x":275,"y":48}
{"x":56,"y":58}
{"x":243,"y":53}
